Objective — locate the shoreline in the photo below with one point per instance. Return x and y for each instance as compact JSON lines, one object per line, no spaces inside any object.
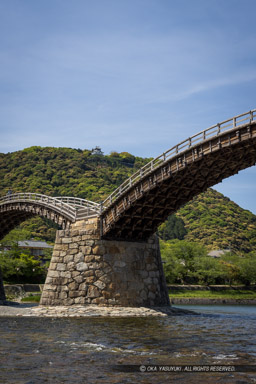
{"x":13,"y":309}
{"x":19,"y":309}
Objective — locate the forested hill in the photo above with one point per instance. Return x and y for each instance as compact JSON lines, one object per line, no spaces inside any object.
{"x":217,"y":222}
{"x":210,"y":218}
{"x":66,"y":172}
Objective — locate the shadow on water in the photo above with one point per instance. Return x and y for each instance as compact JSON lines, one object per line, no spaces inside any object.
{"x":19,"y":304}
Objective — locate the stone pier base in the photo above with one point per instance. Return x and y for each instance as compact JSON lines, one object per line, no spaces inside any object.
{"x":87,"y":270}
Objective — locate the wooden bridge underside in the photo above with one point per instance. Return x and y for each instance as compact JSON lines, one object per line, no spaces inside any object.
{"x":146,"y":205}
{"x":14,"y":213}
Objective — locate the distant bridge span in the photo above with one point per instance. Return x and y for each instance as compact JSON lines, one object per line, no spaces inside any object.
{"x":18,"y":207}
{"x":161,"y":187}
{"x":136,"y":208}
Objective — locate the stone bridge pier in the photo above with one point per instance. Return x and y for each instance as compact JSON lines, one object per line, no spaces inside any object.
{"x":88,"y":270}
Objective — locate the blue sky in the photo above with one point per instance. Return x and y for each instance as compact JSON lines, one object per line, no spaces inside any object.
{"x":136,"y":76}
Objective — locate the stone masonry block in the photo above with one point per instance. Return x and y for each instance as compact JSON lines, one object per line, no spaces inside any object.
{"x":71,"y":266}
{"x":53,"y":273}
{"x":76,"y":239}
{"x":56,"y":253}
{"x":74,"y":294}
{"x":90,"y":280}
{"x":68,"y":258}
{"x":73,"y":245}
{"x":66,"y":274}
{"x":86,"y":250}
{"x":61,"y":267}
{"x":53,"y":266}
{"x":93,"y":266}
{"x":89,"y":273}
{"x":79,"y":258}
{"x":99,"y":284}
{"x":83,"y":287}
{"x":93,"y":292}
{"x":90,"y":243}
{"x":81,"y":266}
{"x":89,"y":258}
{"x":79,"y":279}
{"x":49,"y":287}
{"x":73,"y":286}
{"x":80,"y":300}
{"x":75,"y":274}
{"x":99,"y":273}
{"x":74,"y":233}
{"x":72,"y":251}
{"x":58,"y":247}
{"x":63,"y":295}
{"x":55,"y":259}
{"x":66,"y":240}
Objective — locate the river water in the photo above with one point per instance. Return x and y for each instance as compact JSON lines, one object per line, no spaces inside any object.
{"x":101,"y":350}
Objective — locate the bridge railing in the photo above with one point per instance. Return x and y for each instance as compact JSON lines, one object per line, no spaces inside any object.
{"x":76,"y":201}
{"x":84,"y":208}
{"x":69,"y":206}
{"x":213,"y":131}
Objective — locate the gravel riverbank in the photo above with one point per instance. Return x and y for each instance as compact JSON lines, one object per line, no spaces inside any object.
{"x":32,"y":310}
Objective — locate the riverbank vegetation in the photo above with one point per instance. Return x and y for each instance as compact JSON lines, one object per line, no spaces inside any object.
{"x":18,"y":266}
{"x":31,"y":299}
{"x":189,"y":263}
{"x":237,"y":294}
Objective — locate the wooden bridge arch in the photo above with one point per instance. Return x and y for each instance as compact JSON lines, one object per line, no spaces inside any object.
{"x":161,"y":187}
{"x":18,"y":207}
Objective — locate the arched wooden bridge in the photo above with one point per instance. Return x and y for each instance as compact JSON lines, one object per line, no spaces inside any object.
{"x":135,"y":209}
{"x":161,"y":187}
{"x":18,"y":207}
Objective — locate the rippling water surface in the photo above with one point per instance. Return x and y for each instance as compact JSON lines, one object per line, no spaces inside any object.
{"x":86,"y":350}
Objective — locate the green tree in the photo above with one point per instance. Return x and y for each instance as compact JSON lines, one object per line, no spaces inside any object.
{"x":19,"y":266}
{"x":247,"y":266}
{"x":231,"y":270}
{"x":208,"y":270}
{"x":179,"y":257}
{"x":172,"y":228}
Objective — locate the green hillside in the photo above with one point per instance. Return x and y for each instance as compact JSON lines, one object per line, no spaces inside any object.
{"x":62,"y":172}
{"x":217,"y":222}
{"x":210,"y":219}
{"x":66,"y":171}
